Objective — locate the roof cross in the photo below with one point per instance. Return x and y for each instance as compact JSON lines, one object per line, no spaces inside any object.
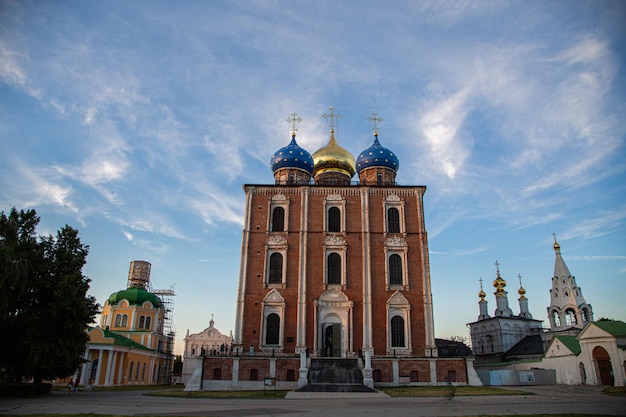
{"x":333,"y":117}
{"x":294,"y":119}
{"x":374,"y":119}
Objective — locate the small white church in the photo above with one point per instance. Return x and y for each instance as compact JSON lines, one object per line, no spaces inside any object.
{"x":515,"y":349}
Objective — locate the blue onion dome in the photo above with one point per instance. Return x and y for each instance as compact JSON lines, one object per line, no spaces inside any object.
{"x":135,"y":296}
{"x":292,"y":156}
{"x":377,"y":156}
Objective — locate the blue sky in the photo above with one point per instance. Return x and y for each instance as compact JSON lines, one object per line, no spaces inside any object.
{"x":138,"y":122}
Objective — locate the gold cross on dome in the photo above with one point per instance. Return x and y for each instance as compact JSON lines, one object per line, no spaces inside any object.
{"x":333,"y":117}
{"x":294,"y":119}
{"x":375,"y":119}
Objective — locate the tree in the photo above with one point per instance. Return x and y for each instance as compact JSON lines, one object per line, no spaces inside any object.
{"x":178,"y":365}
{"x":49,"y":309}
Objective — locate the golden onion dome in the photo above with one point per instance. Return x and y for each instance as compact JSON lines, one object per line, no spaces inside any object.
{"x":499,"y":285}
{"x":482,"y":295}
{"x":333,"y":157}
{"x":522,"y":292}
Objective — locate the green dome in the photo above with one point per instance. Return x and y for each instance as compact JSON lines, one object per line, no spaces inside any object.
{"x":135,"y":296}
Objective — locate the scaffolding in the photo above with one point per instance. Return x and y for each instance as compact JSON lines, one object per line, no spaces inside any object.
{"x":169,"y":332}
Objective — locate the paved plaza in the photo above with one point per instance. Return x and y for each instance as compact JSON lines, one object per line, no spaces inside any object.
{"x":583,"y":400}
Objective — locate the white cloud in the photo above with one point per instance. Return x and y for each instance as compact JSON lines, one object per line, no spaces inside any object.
{"x":439,"y":126}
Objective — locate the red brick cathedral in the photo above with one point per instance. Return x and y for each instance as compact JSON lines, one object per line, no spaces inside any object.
{"x":332,"y":267}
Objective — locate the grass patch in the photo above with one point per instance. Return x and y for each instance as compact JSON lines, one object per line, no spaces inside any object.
{"x":447,"y":391}
{"x":226,"y":395}
{"x":123,"y":388}
{"x":615,"y":391}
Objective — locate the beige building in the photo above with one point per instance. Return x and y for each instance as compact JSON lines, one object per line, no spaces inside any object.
{"x":131,"y":345}
{"x":209,"y":342}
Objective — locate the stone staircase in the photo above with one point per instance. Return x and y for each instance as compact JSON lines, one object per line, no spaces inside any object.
{"x":335,"y":375}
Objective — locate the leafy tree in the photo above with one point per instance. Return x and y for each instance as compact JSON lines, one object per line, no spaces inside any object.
{"x":178,"y":365}
{"x":48,"y":308}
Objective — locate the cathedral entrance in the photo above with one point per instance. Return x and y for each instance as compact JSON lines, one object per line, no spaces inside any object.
{"x":332,"y":341}
{"x":603,"y":366}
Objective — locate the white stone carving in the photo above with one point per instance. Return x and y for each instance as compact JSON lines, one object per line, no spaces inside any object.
{"x":273,"y":297}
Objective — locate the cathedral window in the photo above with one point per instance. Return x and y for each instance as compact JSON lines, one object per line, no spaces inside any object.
{"x":148,"y":322}
{"x":278,"y":219}
{"x":395,"y":270}
{"x":142,"y":321}
{"x":118,"y":320}
{"x":278,"y":215}
{"x":334,"y":219}
{"x":130,"y":372}
{"x":272,"y":329}
{"x":124,"y":320}
{"x":275,"y":275}
{"x":398,"y":325}
{"x":143,"y":371}
{"x":333,"y":268}
{"x":393,"y":220}
{"x":397,"y":332}
{"x":394,"y":215}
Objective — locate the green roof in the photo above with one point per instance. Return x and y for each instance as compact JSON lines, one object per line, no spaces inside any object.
{"x":135,"y":296}
{"x":123,"y":341}
{"x":614,"y":327}
{"x":570,"y":342}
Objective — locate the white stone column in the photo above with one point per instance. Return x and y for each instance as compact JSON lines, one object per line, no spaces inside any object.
{"x":304,"y":226}
{"x":83,"y":372}
{"x":110,"y":365}
{"x":433,"y":371}
{"x":100,"y":356}
{"x":303,"y":372}
{"x":120,"y":368}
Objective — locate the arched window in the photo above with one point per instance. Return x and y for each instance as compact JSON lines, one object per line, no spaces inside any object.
{"x":148,"y":322}
{"x":254,"y":374}
{"x":334,"y":269}
{"x":142,"y":322}
{"x":395,"y":270}
{"x":272,"y":329}
{"x":397,"y":331}
{"x":118,"y":320}
{"x":137,"y":372}
{"x":125,"y":320}
{"x":570,"y":317}
{"x":556,"y":319}
{"x":393,"y":220}
{"x":334,"y":219}
{"x":278,"y":219}
{"x":276,"y":268}
{"x":130,"y":373}
{"x":143,"y":371}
